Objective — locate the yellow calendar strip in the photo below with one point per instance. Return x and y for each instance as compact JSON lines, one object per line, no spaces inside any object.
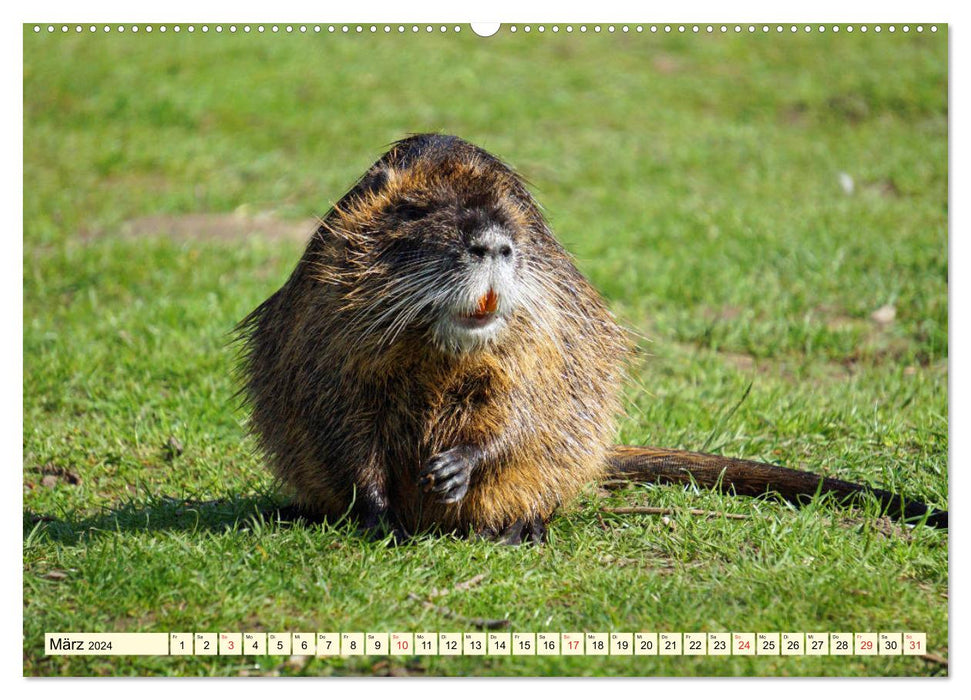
{"x":346,"y":644}
{"x":107,"y":644}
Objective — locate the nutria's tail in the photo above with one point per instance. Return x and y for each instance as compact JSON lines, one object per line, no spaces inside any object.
{"x":747,"y":478}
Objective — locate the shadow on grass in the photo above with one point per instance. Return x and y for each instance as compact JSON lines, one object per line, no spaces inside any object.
{"x":163,"y":514}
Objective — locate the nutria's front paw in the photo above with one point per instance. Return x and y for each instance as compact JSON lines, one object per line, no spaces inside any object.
{"x":447,"y":474}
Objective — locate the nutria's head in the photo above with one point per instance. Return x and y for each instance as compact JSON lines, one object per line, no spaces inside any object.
{"x":440,"y":240}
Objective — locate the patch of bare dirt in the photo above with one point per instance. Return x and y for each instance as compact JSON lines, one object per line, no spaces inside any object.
{"x":883,"y":188}
{"x":53,"y":475}
{"x":741,"y":361}
{"x":666,"y":64}
{"x":843,"y":323}
{"x":218,"y":227}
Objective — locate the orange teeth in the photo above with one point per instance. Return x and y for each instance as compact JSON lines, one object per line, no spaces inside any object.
{"x":488,"y":303}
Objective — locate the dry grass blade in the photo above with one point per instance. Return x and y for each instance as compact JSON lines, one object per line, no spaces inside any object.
{"x":648,"y":510}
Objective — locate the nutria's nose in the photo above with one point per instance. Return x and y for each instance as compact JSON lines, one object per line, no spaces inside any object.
{"x":491,"y":243}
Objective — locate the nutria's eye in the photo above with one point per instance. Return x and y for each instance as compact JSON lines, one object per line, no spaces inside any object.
{"x":401,"y":253}
{"x":406,"y":211}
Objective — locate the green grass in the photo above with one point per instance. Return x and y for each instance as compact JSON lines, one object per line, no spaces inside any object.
{"x":695,"y":178}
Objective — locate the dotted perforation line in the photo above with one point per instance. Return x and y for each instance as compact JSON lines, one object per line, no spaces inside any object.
{"x":428,"y":28}
{"x":251,"y":28}
{"x":712,"y":29}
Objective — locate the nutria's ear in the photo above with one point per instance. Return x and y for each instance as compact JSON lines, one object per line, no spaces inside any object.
{"x":374,"y":180}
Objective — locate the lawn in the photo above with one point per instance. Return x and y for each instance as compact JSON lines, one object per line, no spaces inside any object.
{"x":761,"y":210}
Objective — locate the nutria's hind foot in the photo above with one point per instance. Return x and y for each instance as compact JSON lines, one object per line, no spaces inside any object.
{"x":381,"y":529}
{"x":292,"y":513}
{"x":522,"y":531}
{"x":447,"y":474}
{"x":378,"y":523}
{"x":399,"y":535}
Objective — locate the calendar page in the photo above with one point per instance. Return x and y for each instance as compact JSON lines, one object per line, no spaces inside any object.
{"x":449,"y":349}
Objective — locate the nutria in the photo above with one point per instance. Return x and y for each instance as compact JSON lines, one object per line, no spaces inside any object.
{"x":436,"y":361}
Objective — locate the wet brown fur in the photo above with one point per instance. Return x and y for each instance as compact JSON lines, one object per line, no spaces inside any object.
{"x":348,"y":410}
